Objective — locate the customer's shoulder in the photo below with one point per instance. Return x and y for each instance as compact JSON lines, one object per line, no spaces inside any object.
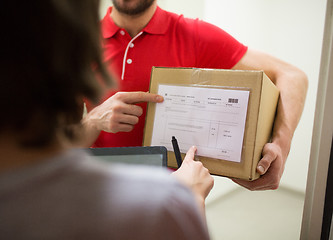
{"x":143,"y":177}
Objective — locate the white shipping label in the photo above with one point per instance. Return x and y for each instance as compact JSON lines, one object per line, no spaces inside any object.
{"x":213,"y":120}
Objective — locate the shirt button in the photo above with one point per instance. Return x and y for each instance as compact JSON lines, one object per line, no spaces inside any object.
{"x":122,"y":32}
{"x":129,"y":61}
{"x":131,"y":45}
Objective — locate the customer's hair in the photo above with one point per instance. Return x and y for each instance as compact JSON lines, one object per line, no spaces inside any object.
{"x":50,"y":61}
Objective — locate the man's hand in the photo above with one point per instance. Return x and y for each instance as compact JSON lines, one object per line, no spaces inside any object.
{"x":194,"y":175}
{"x":117,"y":114}
{"x":292,"y":83}
{"x":270,"y":167}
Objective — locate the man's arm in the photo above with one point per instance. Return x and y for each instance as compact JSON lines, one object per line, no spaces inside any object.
{"x":117,"y":114}
{"x":292,"y":83}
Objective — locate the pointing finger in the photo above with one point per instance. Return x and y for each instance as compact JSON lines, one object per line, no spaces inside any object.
{"x":190,"y":153}
{"x":136,"y":97}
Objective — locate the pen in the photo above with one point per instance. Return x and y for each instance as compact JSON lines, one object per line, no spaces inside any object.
{"x":177,"y":152}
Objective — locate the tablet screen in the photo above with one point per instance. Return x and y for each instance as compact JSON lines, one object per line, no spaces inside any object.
{"x":154,"y":155}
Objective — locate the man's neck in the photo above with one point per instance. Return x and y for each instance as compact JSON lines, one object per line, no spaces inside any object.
{"x":133,"y":24}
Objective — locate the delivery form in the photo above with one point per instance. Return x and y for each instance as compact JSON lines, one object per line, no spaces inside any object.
{"x":213,"y":119}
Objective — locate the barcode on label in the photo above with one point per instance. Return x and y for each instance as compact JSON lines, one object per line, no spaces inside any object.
{"x":233,"y":100}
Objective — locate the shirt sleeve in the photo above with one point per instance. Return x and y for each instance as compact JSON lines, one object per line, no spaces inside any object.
{"x":215,"y":47}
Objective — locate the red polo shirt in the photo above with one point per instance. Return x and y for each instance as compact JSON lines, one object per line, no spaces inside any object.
{"x":168,"y":40}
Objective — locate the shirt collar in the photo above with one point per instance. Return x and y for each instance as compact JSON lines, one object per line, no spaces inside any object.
{"x":109,"y":28}
{"x":157,"y":25}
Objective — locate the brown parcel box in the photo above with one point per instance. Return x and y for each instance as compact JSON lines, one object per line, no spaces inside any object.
{"x":259,"y":120}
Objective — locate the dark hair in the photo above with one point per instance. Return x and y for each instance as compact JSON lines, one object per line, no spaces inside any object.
{"x":50,"y":61}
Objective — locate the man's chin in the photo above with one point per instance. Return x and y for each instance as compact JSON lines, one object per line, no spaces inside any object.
{"x":132,"y":7}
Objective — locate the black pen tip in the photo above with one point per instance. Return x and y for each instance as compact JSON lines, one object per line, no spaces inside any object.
{"x":173,"y":138}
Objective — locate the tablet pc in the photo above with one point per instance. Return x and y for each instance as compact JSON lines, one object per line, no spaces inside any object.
{"x":152,"y":155}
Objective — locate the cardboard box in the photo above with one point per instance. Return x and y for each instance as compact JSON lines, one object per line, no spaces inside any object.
{"x":261,"y":109}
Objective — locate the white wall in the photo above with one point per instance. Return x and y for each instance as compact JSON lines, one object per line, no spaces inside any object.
{"x":290,"y":30}
{"x":104,"y":4}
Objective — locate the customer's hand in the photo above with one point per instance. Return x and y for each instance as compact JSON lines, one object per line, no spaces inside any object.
{"x":193,"y":174}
